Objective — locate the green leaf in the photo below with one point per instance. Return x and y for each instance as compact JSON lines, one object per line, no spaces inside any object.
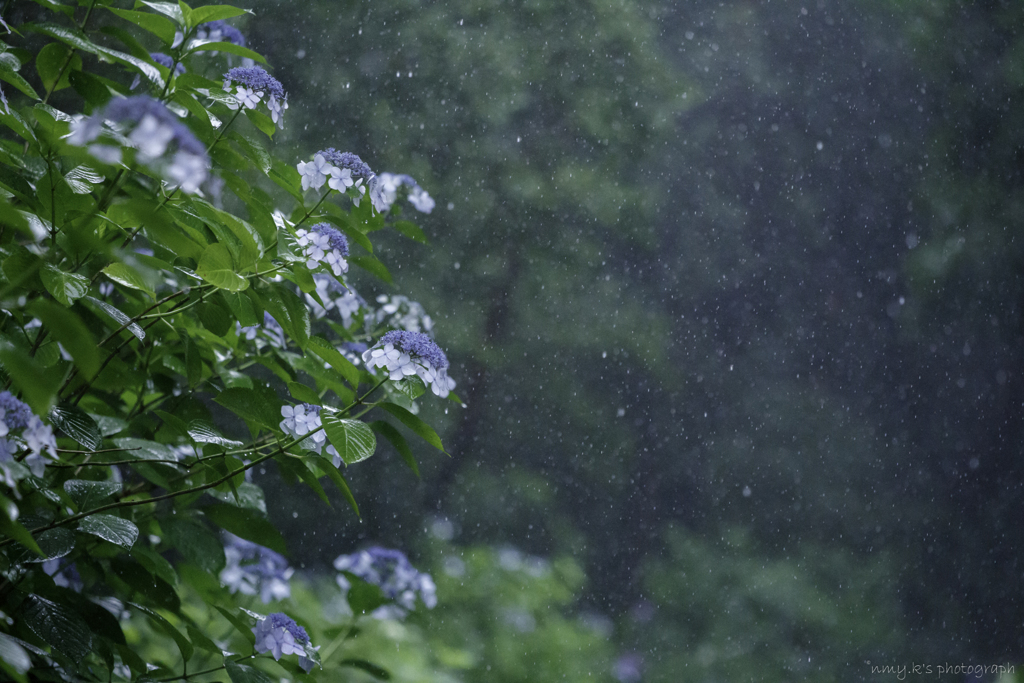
{"x":55,"y":543}
{"x":240,"y":673}
{"x":309,"y":470}
{"x":255,"y":151}
{"x":38,"y":387}
{"x":50,"y":62}
{"x":300,"y":392}
{"x":372,"y":266}
{"x":184,"y":646}
{"x":241,"y":624}
{"x":116,"y":530}
{"x":121,"y":319}
{"x":335,"y":476}
{"x":155,"y":564}
{"x":66,"y":327}
{"x":156,"y":591}
{"x":248,"y":524}
{"x":216,"y":267}
{"x":169,"y":9}
{"x":127,"y":276}
{"x":377,"y":672}
{"x":13,"y":654}
{"x":200,"y":640}
{"x":412,"y":231}
{"x":289,"y":310}
{"x":13,"y":529}
{"x":14,"y":78}
{"x":421,"y":428}
{"x":81,"y":179}
{"x":58,"y":626}
{"x":202,"y":15}
{"x":196,"y":543}
{"x":353,"y":439}
{"x":214,"y":317}
{"x":65,"y":287}
{"x":259,"y":405}
{"x":193,"y":361}
{"x":203,"y":432}
{"x":86,"y":494}
{"x":387,"y":430}
{"x":325,"y":350}
{"x":261,"y":121}
{"x":246,"y":495}
{"x":77,"y":424}
{"x":159,"y":26}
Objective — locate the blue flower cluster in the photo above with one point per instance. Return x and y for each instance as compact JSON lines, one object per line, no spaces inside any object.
{"x":220,"y":31}
{"x":304,"y":419}
{"x":403,"y":354}
{"x":36,"y":436}
{"x":160,"y":140}
{"x":279,"y":635}
{"x":392,"y":572}
{"x":167,"y":62}
{"x":251,"y":569}
{"x":323,"y":244}
{"x":252,"y":84}
{"x":418,"y":197}
{"x":335,"y":296}
{"x":401,"y":313}
{"x":269,"y":332}
{"x":340,"y":170}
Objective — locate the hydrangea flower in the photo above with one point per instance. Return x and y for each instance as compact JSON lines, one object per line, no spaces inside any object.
{"x":220,"y":31}
{"x":391,"y":183}
{"x":404,"y":353}
{"x":304,"y":419}
{"x":64,"y":574}
{"x":269,"y":332}
{"x":392,"y":572}
{"x":323,"y":244}
{"x":279,"y":635}
{"x":340,"y":170}
{"x":252,"y":569}
{"x":335,"y":296}
{"x":35,"y":435}
{"x":252,"y":84}
{"x":401,"y":313}
{"x":161,"y":141}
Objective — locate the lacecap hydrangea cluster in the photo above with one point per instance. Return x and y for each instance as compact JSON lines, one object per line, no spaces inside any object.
{"x":22,"y":430}
{"x":162,"y":143}
{"x":392,"y":572}
{"x":252,"y":85}
{"x":251,"y":569}
{"x":303,"y":420}
{"x":391,"y":183}
{"x":279,"y":635}
{"x":403,"y":354}
{"x":335,"y":296}
{"x":324,"y":245}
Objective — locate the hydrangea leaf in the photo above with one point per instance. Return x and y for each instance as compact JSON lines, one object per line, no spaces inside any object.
{"x":377,"y":672}
{"x":38,"y":385}
{"x":259,"y":405}
{"x":202,"y":15}
{"x":58,"y":626}
{"x":86,"y":494}
{"x":395,"y":438}
{"x":248,"y":524}
{"x":14,"y":78}
{"x":421,"y":428}
{"x":300,"y":392}
{"x":53,"y":67}
{"x":55,"y":543}
{"x":154,"y":589}
{"x":66,"y":327}
{"x":184,"y":646}
{"x":325,"y":350}
{"x":14,"y":655}
{"x":14,"y":529}
{"x":168,"y":9}
{"x":156,"y":24}
{"x":65,"y":287}
{"x":240,"y":673}
{"x":125,"y":275}
{"x":354,"y":440}
{"x":371,"y":265}
{"x":412,"y":231}
{"x":116,"y":530}
{"x":196,"y":543}
{"x":339,"y":481}
{"x":216,"y":267}
{"x":77,"y":424}
{"x":309,"y":471}
{"x":119,"y":316}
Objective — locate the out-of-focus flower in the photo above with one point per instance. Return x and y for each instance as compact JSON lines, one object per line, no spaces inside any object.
{"x":279,"y":635}
{"x":404,"y":353}
{"x":323,"y":244}
{"x":220,"y":31}
{"x":391,"y":183}
{"x":251,"y":569}
{"x":251,"y":85}
{"x":269,"y":332}
{"x":399,"y":312}
{"x":392,"y":572}
{"x":35,"y":435}
{"x":64,"y":574}
{"x":335,"y":296}
{"x":162,"y":142}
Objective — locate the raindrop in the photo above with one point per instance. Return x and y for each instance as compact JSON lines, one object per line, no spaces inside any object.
{"x":746,"y":492}
{"x":820,"y":145}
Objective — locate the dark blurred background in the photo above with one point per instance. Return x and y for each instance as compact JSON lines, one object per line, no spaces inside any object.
{"x":732,"y":293}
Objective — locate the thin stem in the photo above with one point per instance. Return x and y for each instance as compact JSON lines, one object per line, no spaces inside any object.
{"x":224,"y":129}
